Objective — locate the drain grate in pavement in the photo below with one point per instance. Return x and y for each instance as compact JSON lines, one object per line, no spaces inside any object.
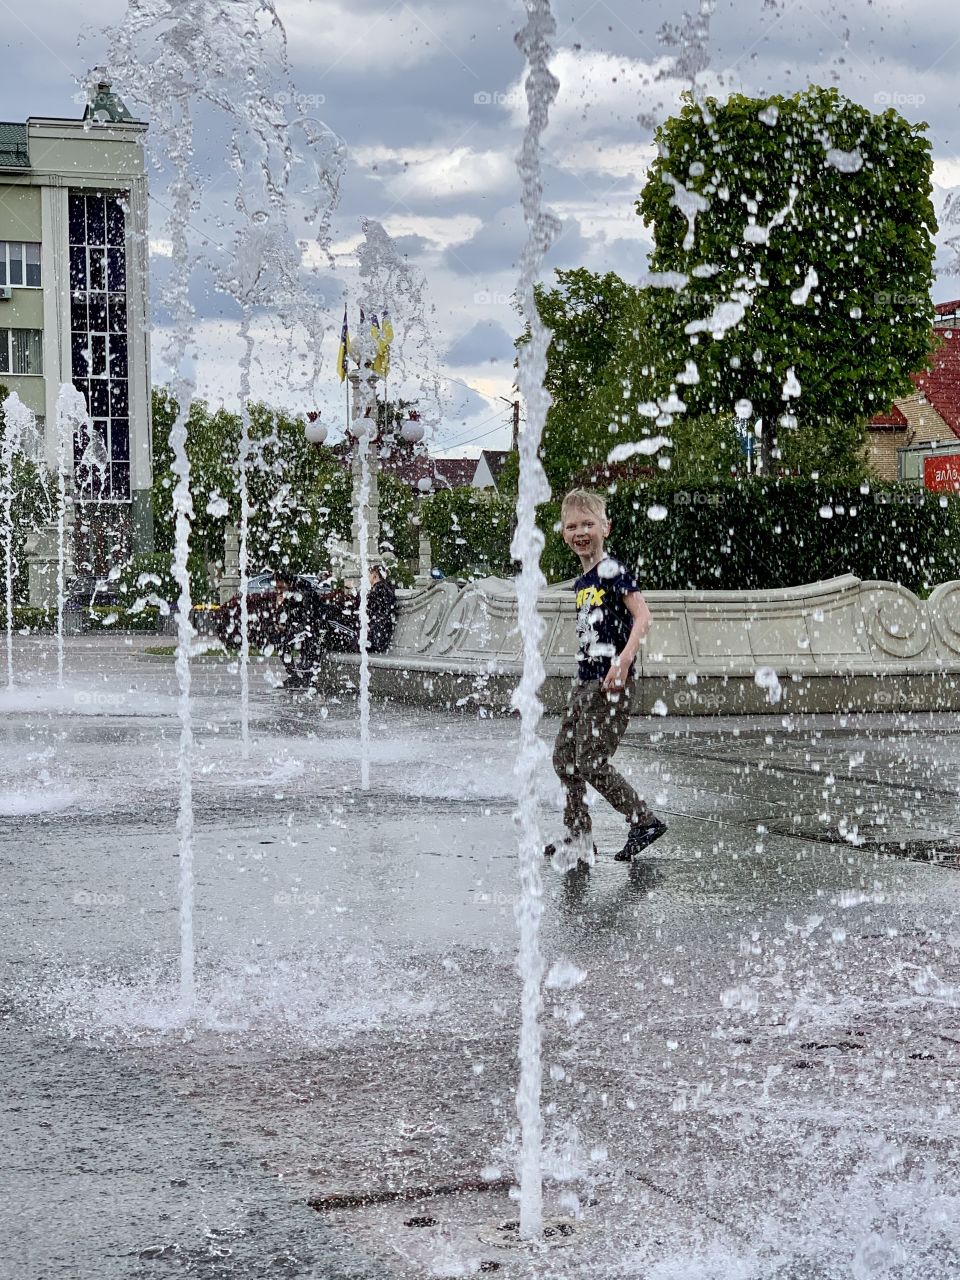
{"x":505,"y":1234}
{"x":391,"y":1195}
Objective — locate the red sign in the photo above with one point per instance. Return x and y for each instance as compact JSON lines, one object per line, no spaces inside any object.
{"x":942,"y":474}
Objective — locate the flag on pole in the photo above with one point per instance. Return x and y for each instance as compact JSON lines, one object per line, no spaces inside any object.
{"x":382,"y":336}
{"x":343,"y":348}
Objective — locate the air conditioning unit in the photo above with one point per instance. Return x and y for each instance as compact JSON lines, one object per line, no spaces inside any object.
{"x":6,"y":293}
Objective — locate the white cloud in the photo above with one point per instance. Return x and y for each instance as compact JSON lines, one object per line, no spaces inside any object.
{"x":599,"y":91}
{"x":439,"y":172}
{"x":332,"y":35}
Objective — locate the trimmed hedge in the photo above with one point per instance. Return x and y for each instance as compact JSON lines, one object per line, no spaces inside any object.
{"x":469,"y":531}
{"x":750,"y":534}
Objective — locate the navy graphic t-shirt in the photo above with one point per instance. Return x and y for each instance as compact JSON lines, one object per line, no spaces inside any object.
{"x":603,"y":620}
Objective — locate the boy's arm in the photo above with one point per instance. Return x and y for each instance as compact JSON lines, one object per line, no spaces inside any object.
{"x":619,"y":667}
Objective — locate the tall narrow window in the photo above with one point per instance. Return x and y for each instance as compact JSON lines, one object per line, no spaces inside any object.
{"x":32,"y":272}
{"x":100,"y":357}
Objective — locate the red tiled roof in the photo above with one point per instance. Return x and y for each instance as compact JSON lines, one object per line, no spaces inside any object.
{"x":893,"y":417}
{"x":947,"y":308}
{"x":939,"y":385}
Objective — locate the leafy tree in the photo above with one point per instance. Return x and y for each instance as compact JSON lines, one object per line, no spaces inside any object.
{"x":802,"y":228}
{"x":591,"y":317}
{"x":605,"y":372}
{"x":33,"y":505}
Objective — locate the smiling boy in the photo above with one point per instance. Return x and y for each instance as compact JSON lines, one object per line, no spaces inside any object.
{"x":612,"y":622}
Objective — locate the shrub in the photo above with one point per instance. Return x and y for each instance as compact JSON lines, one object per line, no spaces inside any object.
{"x":469,"y":530}
{"x":757,"y":534}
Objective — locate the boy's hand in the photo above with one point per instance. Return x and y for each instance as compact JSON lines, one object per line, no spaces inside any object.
{"x":616,"y":677}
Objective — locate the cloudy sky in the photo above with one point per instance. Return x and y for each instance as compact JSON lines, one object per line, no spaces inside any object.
{"x":426,"y":99}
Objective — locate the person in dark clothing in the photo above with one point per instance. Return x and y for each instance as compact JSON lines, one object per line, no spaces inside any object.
{"x":322,"y":623}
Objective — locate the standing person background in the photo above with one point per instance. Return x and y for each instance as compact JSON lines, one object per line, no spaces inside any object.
{"x":612,"y":622}
{"x":330,"y":623}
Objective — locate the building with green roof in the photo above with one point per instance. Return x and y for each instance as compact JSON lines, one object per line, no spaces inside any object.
{"x":74,"y":307}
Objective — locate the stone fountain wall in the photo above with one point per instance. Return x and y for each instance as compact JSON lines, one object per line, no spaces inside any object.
{"x":837,"y":645}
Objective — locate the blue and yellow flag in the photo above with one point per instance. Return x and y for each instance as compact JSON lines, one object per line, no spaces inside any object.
{"x":343,"y":348}
{"x":382,"y":336}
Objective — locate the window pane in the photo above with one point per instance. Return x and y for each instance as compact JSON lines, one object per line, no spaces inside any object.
{"x":78,"y":268}
{"x":79,"y":318}
{"x":118,"y":355}
{"x":98,"y":312}
{"x":115,"y":221}
{"x":120,"y":440}
{"x":116,"y":270}
{"x":83,"y":386}
{"x":96,"y":224}
{"x":4,"y":350}
{"x":33,"y":266}
{"x":27,"y":351}
{"x":118,"y":314}
{"x":16,"y":263}
{"x":3,"y":262}
{"x":98,"y":354}
{"x":119,"y":398}
{"x":120,"y":480}
{"x":97,"y":268}
{"x":79,"y":356}
{"x":78,"y":223}
{"x":99,"y":398}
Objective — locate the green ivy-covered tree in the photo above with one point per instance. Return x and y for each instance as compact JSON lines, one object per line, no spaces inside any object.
{"x":801,"y":229}
{"x":33,"y":505}
{"x":606,"y":370}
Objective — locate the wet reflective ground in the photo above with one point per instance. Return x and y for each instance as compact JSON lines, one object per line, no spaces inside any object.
{"x":752,"y":1039}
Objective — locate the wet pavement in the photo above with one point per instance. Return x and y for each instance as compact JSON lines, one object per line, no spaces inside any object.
{"x":751,"y":1038}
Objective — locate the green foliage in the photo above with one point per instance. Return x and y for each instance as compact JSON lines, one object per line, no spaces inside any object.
{"x":397,"y":509}
{"x":28,"y":618}
{"x":469,"y":531}
{"x":604,"y":371}
{"x":298,"y":494}
{"x":760,"y":534}
{"x":104,"y":618}
{"x":151,"y":574}
{"x":867,"y":233}
{"x":33,"y":505}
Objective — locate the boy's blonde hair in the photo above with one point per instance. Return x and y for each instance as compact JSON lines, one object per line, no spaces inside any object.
{"x":586,"y":500}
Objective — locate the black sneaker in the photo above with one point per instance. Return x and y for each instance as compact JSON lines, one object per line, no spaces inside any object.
{"x":639,"y":838}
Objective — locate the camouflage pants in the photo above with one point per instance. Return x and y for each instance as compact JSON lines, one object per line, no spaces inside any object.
{"x":593,"y":724}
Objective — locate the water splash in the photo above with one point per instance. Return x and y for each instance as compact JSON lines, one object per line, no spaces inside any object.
{"x":72,"y":422}
{"x":542,"y":228}
{"x":165,"y":54}
{"x":18,"y":425}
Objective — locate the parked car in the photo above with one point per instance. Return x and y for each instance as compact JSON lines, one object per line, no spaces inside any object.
{"x":85,"y":592}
